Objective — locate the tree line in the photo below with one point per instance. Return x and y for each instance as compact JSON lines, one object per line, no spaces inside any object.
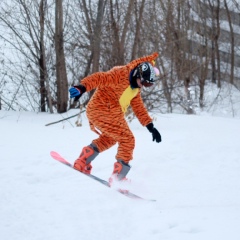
{"x":46,"y":46}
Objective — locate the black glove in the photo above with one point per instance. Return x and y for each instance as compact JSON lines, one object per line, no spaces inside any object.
{"x":155,"y":134}
{"x":76,"y":92}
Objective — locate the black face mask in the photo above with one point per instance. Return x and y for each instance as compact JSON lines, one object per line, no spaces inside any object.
{"x":134,"y":75}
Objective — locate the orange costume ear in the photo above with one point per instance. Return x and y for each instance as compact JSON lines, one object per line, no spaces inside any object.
{"x":155,"y":55}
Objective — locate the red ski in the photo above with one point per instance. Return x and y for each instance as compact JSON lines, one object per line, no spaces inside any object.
{"x":59,"y":158}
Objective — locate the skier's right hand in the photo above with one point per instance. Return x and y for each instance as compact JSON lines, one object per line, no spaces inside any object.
{"x":76,"y":92}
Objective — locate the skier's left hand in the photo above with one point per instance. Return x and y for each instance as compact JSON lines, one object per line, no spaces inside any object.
{"x":76,"y":92}
{"x":155,"y":134}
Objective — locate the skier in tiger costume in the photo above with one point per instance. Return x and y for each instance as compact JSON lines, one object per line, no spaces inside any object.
{"x":115,"y":90}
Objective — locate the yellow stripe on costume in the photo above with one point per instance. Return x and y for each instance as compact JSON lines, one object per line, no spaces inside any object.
{"x":127,"y":96}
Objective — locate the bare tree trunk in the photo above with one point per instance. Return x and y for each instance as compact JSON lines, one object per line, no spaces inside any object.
{"x":213,"y":43}
{"x":90,"y":31}
{"x":97,"y":36}
{"x":166,"y":89}
{"x":216,"y":44}
{"x":62,"y":83}
{"x":42,"y":65}
{"x":215,"y":47}
{"x":125,"y":28}
{"x":44,"y":85}
{"x":232,"y":42}
{"x":137,"y":34}
{"x":203,"y":77}
{"x":116,"y":41}
{"x":119,"y":40}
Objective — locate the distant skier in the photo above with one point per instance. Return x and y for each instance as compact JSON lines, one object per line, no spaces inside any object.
{"x":115,"y":91}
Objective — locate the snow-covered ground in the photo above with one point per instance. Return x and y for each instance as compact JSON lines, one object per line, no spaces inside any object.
{"x":194,"y":175}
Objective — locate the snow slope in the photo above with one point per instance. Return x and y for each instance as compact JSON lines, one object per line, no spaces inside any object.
{"x":194,"y":175}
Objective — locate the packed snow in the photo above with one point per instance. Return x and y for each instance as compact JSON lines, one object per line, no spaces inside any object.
{"x":193,"y":174}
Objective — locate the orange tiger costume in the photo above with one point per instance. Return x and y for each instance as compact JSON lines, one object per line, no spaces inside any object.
{"x":105,"y":112}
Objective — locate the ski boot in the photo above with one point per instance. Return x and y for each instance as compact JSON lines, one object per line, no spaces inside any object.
{"x":120,"y":171}
{"x":88,"y":154}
